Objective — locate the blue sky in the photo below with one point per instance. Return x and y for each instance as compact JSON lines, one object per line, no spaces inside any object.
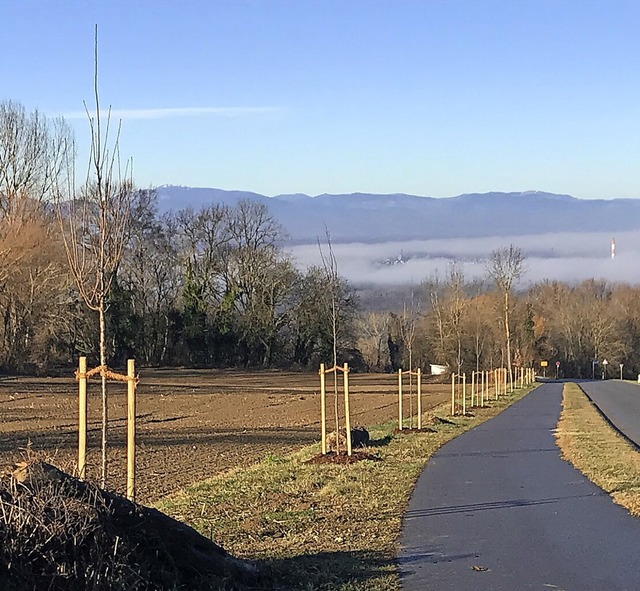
{"x":282,"y":96}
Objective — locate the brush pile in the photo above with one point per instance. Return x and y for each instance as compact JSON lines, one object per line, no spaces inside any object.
{"x":59,"y":533}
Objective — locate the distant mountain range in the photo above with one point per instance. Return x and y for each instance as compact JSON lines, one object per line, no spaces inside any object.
{"x":364,"y":217}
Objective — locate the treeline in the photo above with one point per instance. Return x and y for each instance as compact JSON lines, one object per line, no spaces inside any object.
{"x":212,"y":287}
{"x":216,"y":287}
{"x":207,"y":288}
{"x":461,"y":324}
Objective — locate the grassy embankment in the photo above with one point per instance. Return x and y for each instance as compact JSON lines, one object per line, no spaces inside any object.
{"x":598,"y":450}
{"x":313,"y":526}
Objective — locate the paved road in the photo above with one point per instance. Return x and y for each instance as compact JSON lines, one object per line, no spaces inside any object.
{"x":620,"y":402}
{"x":500,"y":498}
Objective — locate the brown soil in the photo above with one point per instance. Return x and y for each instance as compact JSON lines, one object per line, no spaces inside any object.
{"x":192,"y":424}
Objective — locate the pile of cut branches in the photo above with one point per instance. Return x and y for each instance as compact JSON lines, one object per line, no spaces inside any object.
{"x":59,"y":533}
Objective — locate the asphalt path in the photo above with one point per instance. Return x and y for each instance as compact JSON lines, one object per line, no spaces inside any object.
{"x":620,"y":402}
{"x":498,"y":509}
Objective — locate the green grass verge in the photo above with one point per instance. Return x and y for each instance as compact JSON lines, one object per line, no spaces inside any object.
{"x":329,"y":527}
{"x":598,"y":450}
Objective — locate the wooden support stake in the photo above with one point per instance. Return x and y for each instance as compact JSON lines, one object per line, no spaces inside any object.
{"x":497,"y":381}
{"x":131,"y":429}
{"x":482,"y":390}
{"x":400,"y":399}
{"x":473,"y":388}
{"x":400,"y":411}
{"x":485,"y":391}
{"x":419,"y":379}
{"x":347,"y":413}
{"x":487,"y":395}
{"x":464,"y":393}
{"x":82,"y":418}
{"x":453,"y":394}
{"x":323,"y":410}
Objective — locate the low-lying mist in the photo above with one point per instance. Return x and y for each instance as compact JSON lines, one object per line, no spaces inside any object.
{"x":570,"y":257}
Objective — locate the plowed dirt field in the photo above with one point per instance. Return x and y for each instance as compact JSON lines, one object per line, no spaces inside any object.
{"x":192,"y":424}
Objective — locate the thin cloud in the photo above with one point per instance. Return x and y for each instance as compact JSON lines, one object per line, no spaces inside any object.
{"x":129,"y":114}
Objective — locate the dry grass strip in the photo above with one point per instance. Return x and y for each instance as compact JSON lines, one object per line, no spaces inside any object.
{"x":598,"y":450}
{"x":314,"y":526}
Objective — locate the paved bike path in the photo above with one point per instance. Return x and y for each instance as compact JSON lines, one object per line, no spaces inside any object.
{"x":620,"y":402}
{"x":500,"y":498}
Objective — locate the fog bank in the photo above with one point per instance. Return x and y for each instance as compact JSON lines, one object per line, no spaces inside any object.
{"x":570,"y":257}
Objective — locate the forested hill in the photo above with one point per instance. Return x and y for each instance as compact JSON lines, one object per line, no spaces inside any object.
{"x":378,"y":218}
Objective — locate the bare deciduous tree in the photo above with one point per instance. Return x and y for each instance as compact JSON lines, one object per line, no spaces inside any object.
{"x":94,"y":223}
{"x":434,"y":290}
{"x":261,"y":276}
{"x":33,"y":154}
{"x":150,"y":273}
{"x":506,"y":266}
{"x":373,"y":328}
{"x":408,"y":326}
{"x":448,"y":304}
{"x":332,"y":278}
{"x":457,"y":305}
{"x":479,"y":326}
{"x":32,"y":150}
